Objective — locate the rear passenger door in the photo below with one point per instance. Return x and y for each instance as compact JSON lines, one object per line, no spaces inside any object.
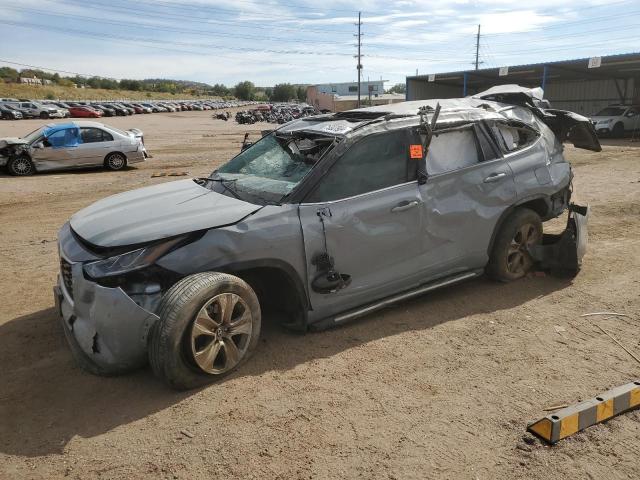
{"x":468,"y":187}
{"x":96,"y":144}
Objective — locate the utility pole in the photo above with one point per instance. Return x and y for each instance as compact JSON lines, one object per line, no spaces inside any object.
{"x":359,"y":56}
{"x":477,"y":46}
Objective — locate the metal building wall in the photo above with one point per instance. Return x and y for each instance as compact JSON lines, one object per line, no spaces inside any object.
{"x":421,"y":89}
{"x":587,"y":96}
{"x":581,"y":96}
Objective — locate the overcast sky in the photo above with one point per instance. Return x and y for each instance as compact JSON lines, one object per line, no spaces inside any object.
{"x":299,"y":41}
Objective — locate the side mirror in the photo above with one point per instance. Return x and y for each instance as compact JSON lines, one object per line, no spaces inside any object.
{"x":38,"y":145}
{"x":631,"y":114}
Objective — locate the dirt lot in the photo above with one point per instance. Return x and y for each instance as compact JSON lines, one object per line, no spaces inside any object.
{"x":439,"y":387}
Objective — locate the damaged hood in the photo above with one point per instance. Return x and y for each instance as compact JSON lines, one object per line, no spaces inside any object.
{"x":5,"y":142}
{"x":156,"y":212}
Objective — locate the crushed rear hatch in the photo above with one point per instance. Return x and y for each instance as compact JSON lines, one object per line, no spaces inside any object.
{"x":567,"y":126}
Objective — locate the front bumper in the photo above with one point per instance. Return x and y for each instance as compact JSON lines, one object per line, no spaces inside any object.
{"x":102,"y":325}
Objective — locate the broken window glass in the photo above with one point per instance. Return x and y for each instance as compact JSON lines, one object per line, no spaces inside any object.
{"x":512,"y":138}
{"x":450,"y":151}
{"x":274,"y":165}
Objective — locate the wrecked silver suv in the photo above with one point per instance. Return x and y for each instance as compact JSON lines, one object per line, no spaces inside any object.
{"x":323,"y":220}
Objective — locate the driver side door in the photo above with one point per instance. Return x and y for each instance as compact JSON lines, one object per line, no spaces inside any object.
{"x":365,"y":213}
{"x":53,"y":154}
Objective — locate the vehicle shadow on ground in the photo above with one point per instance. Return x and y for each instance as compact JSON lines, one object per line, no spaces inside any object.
{"x":631,"y":141}
{"x":77,"y":171}
{"x":46,"y":399}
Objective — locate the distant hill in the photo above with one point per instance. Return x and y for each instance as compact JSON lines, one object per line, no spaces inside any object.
{"x":182,"y":83}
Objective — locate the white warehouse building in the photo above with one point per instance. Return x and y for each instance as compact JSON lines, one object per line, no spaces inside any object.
{"x":351,"y":88}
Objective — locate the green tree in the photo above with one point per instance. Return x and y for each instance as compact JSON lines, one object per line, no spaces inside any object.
{"x":283,"y":92}
{"x":9,"y":74}
{"x":220,"y":90}
{"x":244,"y":90}
{"x":302,"y":94}
{"x":134,"y":85}
{"x":398,"y":88}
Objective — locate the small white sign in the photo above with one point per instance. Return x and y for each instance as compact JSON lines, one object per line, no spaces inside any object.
{"x":432,"y":77}
{"x":595,"y":62}
{"x":503,"y":72}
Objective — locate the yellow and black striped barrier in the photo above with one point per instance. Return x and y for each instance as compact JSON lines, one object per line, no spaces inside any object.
{"x":570,"y":420}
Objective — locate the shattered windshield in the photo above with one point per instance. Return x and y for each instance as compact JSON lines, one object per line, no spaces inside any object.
{"x":610,"y":112}
{"x":33,"y":135}
{"x":271,"y":168}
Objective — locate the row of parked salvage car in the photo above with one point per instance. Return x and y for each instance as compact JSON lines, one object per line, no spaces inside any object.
{"x":276,"y":113}
{"x":14,"y":109}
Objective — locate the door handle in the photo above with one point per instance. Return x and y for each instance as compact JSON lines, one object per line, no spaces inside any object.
{"x":494,"y":177}
{"x":402,"y":206}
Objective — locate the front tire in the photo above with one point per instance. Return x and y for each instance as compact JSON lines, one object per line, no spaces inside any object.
{"x":115,"y":161}
{"x":510,"y":258}
{"x":21,"y":166}
{"x":44,"y":115}
{"x":209,"y":325}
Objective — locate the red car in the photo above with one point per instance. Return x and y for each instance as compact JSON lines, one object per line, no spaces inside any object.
{"x":84,"y":112}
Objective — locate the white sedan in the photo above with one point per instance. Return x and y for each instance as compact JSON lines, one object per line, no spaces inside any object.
{"x":72,"y":145}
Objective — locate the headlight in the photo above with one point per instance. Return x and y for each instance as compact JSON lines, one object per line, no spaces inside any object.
{"x":130,"y":261}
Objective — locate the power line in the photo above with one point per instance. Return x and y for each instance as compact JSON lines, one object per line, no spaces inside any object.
{"x":47,"y":68}
{"x":173,"y":28}
{"x":197,"y":19}
{"x":206,"y":8}
{"x":202,"y":45}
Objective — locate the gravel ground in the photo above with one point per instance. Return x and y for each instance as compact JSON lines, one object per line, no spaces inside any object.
{"x":438,"y":387}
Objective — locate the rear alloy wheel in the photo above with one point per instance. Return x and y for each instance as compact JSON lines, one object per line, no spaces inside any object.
{"x":115,"y":161}
{"x":21,"y":166}
{"x":209,"y":325}
{"x":510,"y":258}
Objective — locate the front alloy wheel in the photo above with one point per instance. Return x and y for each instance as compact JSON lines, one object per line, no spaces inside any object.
{"x":21,"y":166}
{"x":221,"y":333}
{"x":209,"y":325}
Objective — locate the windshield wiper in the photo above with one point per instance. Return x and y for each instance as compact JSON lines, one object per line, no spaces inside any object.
{"x":223,"y":182}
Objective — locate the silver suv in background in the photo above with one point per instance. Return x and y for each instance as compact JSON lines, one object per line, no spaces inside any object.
{"x":39,"y":110}
{"x":323,"y":220}
{"x":616,"y":120}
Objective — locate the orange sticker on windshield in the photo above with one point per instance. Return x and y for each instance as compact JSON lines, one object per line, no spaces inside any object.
{"x":415,"y":152}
